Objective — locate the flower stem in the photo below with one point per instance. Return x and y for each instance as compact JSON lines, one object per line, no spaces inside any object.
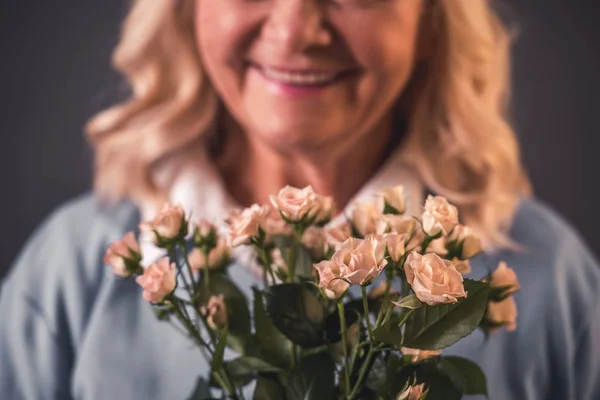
{"x":342,"y":313}
{"x":365,"y":302}
{"x":363,"y":372}
{"x":225,"y":382}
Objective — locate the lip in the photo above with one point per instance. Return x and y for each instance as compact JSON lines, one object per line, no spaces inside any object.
{"x":288,"y":90}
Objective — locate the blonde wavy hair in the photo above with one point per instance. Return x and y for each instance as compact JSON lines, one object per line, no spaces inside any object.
{"x":461,"y":144}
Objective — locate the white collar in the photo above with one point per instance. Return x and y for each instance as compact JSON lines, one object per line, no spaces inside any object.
{"x":198,"y":187}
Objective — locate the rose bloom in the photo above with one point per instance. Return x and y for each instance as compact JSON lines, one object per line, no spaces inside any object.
{"x":314,"y":241}
{"x":438,"y":246}
{"x":393,"y":197}
{"x":217,"y":256}
{"x":278,"y":263}
{"x":322,"y":209}
{"x":216,"y":312}
{"x":158,"y":280}
{"x":273,"y":224}
{"x":434,"y":280}
{"x":505,"y":311}
{"x":295,"y":203}
{"x":395,"y":244}
{"x":168,"y":224}
{"x":419,"y":355}
{"x":462,"y":266}
{"x":119,"y":251}
{"x":243,"y":225}
{"x":439,"y":216}
{"x":397,"y":224}
{"x":357,"y":262}
{"x":365,"y":218}
{"x":471,"y":243}
{"x":413,"y":393}
{"x":329,"y":279}
{"x":336,"y":235}
{"x":205,"y":228}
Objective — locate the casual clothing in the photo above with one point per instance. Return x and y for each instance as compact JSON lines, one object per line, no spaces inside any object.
{"x":70,"y":329}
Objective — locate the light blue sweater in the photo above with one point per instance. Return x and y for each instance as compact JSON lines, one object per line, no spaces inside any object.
{"x":70,"y":330}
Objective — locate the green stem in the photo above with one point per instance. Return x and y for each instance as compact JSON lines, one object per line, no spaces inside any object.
{"x":226,"y":383}
{"x":384,"y":303}
{"x":342,"y":313}
{"x":405,"y":317}
{"x":363,"y":372}
{"x":365,"y":302}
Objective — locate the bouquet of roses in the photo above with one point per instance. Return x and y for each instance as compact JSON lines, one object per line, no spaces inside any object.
{"x":358,"y":308}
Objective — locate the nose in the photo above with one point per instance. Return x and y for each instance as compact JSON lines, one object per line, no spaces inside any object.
{"x":295,"y":25}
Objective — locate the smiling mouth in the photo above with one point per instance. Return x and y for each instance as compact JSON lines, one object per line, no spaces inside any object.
{"x":307,"y":78}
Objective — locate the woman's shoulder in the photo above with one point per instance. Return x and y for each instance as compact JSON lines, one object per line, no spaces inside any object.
{"x":70,"y":243}
{"x":557,"y":270}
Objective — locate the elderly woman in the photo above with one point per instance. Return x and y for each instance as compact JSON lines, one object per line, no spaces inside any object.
{"x":233,"y":99}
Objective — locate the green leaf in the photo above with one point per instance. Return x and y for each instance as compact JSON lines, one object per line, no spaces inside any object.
{"x":433,"y":328}
{"x":268,"y":388}
{"x":243,"y":370}
{"x":410,"y":301}
{"x":245,"y":365}
{"x":297,"y":313}
{"x":303,"y":259}
{"x":388,"y":333}
{"x":312,"y":378}
{"x":237,"y":310}
{"x":201,"y":391}
{"x":474,"y":380}
{"x":217,"y":360}
{"x":273,"y":345}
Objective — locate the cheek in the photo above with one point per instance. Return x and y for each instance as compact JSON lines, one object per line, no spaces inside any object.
{"x":385,"y":42}
{"x":221,"y":31}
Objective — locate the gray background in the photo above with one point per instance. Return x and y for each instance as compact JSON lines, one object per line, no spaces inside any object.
{"x":55,"y":74}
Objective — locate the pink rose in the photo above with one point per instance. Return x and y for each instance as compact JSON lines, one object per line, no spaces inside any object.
{"x":158,"y":280}
{"x":169,"y":224}
{"x":419,"y":355}
{"x":336,"y":235}
{"x":206,"y":228}
{"x":439,"y":216}
{"x":119,"y":252}
{"x":395,"y":244}
{"x":274,"y":224}
{"x":330,"y":280}
{"x":471,"y":243}
{"x":462,"y":266}
{"x":244,"y":225}
{"x":361,"y":260}
{"x":504,"y":276}
{"x":216,"y":312}
{"x":434,"y":280}
{"x":293,"y":203}
{"x":314,"y":241}
{"x":417,"y":392}
{"x":322,"y":209}
{"x":365,"y":218}
{"x":394,"y":198}
{"x":438,"y":246}
{"x":397,"y":224}
{"x":505,"y":311}
{"x":217,"y":256}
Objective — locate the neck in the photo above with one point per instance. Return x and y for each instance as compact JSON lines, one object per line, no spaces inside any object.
{"x":252,"y":169}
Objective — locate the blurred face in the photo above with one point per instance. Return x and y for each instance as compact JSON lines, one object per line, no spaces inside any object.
{"x":308,"y":73}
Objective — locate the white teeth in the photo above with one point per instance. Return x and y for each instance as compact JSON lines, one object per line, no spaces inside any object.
{"x":299,"y":79}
